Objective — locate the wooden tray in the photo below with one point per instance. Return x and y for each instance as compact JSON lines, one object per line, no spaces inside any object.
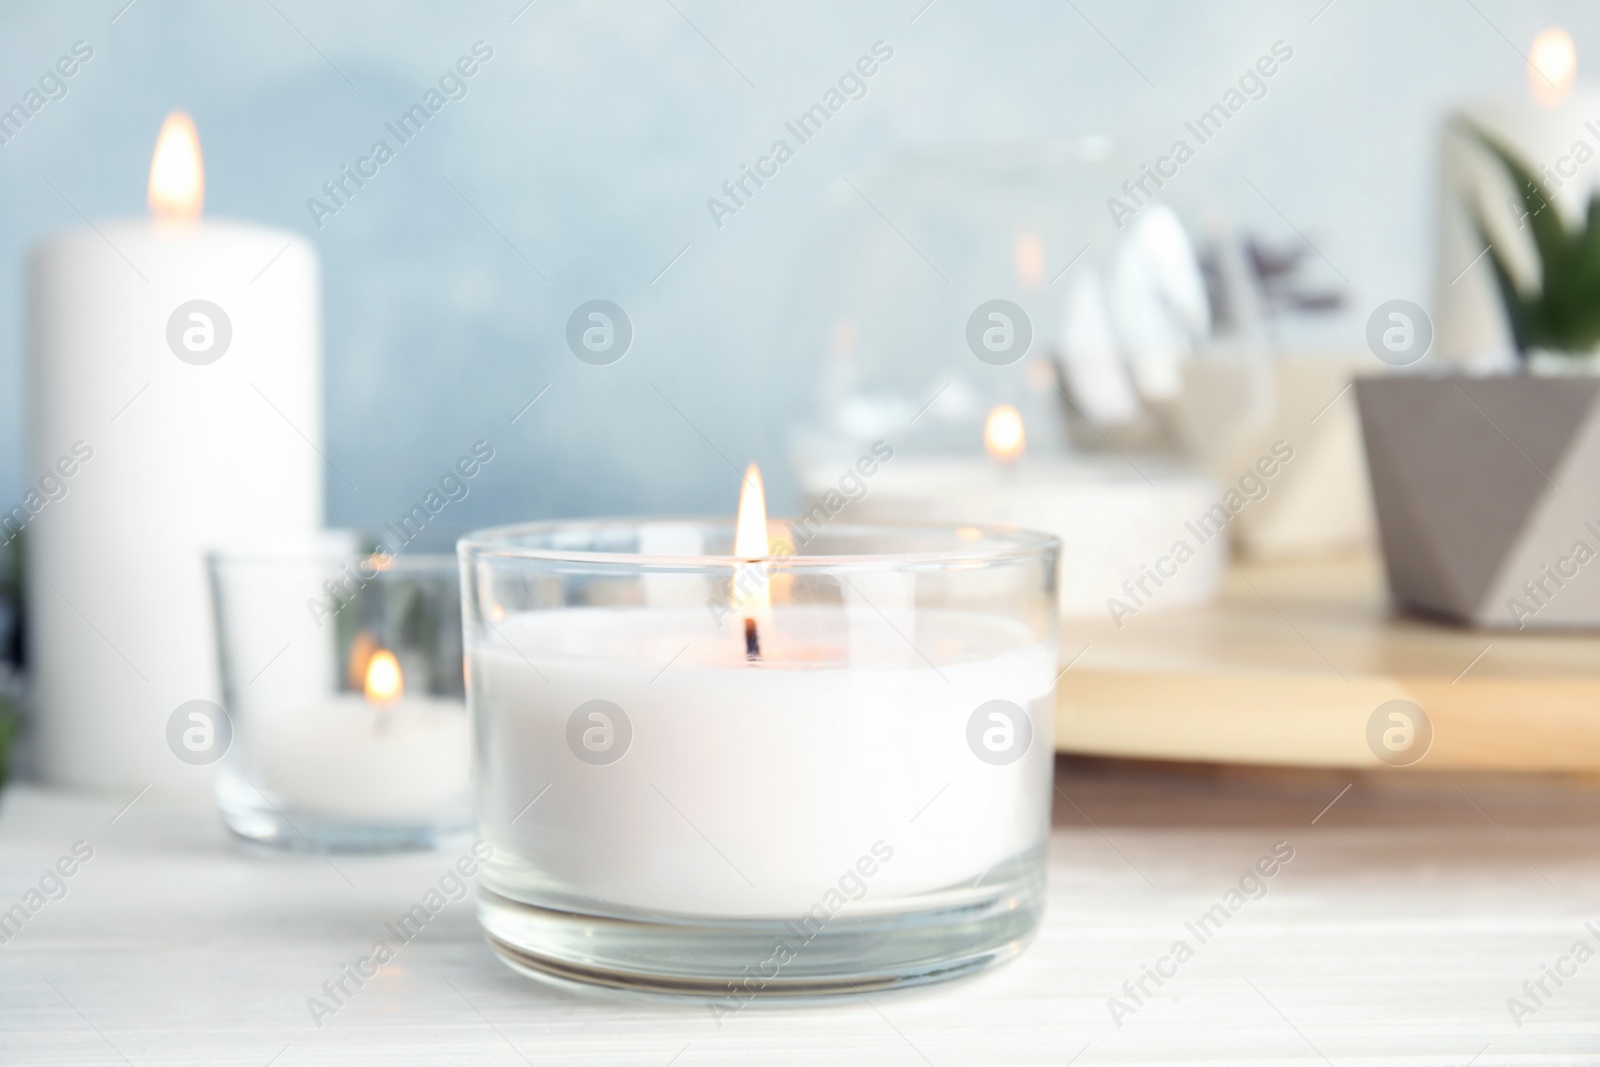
{"x":1291,"y":663}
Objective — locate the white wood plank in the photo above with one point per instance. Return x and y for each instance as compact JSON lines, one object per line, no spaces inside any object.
{"x":1394,"y":936}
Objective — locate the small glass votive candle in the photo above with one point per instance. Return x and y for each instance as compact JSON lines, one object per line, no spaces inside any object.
{"x":342,"y":680}
{"x":819,"y":772}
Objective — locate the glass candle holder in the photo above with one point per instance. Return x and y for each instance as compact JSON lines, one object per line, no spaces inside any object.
{"x":343,"y":682}
{"x":827,"y":771}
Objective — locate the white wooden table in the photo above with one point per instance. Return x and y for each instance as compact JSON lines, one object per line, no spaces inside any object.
{"x":1410,"y":913}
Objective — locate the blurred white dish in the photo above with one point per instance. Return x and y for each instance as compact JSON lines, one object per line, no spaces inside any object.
{"x":1114,"y":524}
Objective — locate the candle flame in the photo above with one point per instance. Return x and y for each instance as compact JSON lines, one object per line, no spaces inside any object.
{"x":1003,"y":435}
{"x":384,"y":683}
{"x":177,"y":177}
{"x":752,"y":592}
{"x":750,"y":535}
{"x":1029,"y":255}
{"x":1552,"y":66}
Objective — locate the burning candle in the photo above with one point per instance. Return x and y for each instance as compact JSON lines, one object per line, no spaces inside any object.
{"x":679,"y":754}
{"x":380,"y":755}
{"x":176,"y":402}
{"x":343,"y":675}
{"x":1113,"y":518}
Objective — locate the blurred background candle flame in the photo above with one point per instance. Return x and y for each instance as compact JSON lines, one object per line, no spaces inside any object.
{"x":1029,"y":253}
{"x":384,"y":684}
{"x":1003,"y":435}
{"x":177,"y":176}
{"x":1552,"y":66}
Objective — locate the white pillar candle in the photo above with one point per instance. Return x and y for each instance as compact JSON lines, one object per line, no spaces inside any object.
{"x":194,"y":442}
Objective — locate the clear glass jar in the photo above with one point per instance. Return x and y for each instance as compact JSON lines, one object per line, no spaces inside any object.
{"x":342,"y":680}
{"x":880,"y":315}
{"x":824,"y":772}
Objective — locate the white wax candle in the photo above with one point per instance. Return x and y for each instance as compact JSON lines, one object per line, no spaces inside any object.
{"x":747,"y":788}
{"x":184,"y":456}
{"x":346,"y":758}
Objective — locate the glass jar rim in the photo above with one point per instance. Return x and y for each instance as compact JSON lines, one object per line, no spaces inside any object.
{"x":329,"y":546}
{"x":966,"y":544}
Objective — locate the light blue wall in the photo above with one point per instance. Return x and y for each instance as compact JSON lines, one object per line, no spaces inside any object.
{"x":595,"y":135}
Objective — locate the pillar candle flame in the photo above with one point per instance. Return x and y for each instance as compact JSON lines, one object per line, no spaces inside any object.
{"x":177,"y":177}
{"x":1552,"y":66}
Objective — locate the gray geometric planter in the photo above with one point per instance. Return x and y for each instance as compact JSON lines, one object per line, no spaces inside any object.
{"x":1487,"y":493}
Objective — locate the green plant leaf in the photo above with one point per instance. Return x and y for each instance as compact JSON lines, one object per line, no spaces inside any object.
{"x":1574,"y":295}
{"x":1550,"y":235}
{"x":1563,"y":313}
